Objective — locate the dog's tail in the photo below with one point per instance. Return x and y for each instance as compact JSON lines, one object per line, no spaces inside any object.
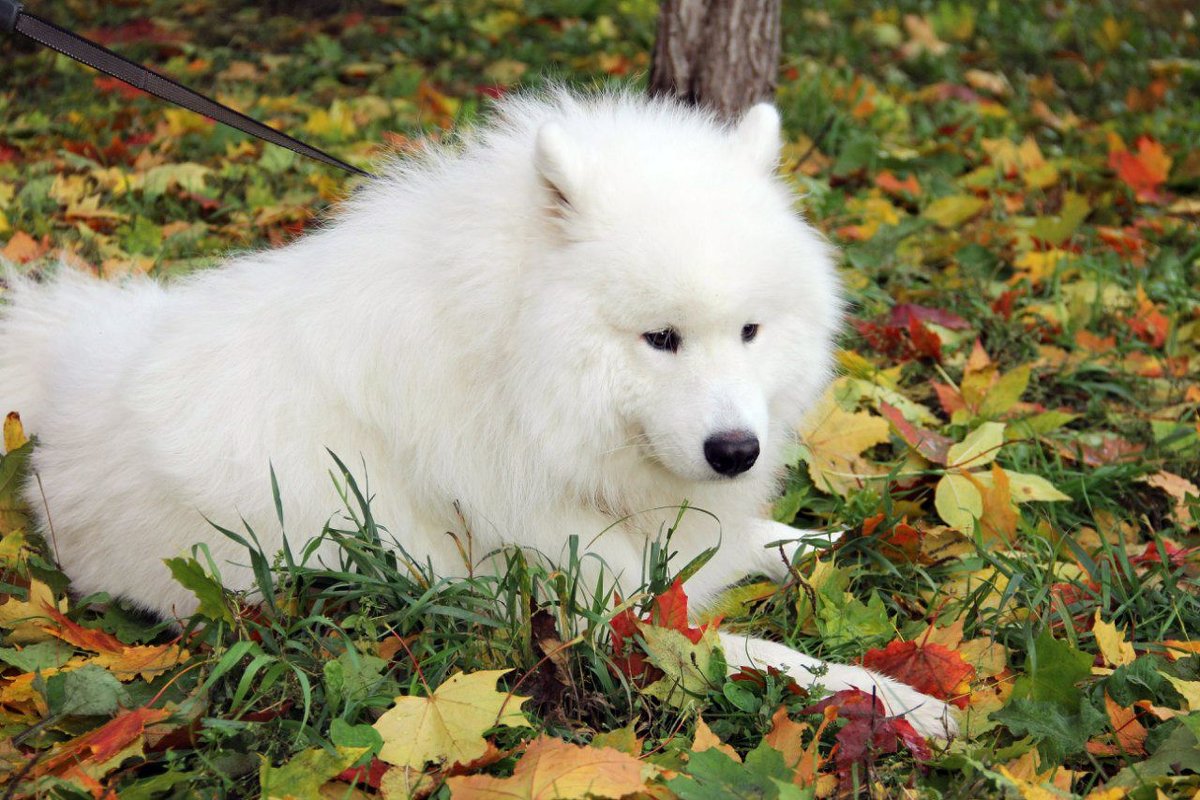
{"x":36,"y":317}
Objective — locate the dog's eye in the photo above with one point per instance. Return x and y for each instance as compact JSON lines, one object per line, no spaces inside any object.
{"x":666,"y":339}
{"x":749,"y":331}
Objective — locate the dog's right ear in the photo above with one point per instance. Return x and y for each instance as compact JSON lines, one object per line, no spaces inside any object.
{"x":559,"y":165}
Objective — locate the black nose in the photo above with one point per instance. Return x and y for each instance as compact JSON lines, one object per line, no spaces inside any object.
{"x":731,"y":453}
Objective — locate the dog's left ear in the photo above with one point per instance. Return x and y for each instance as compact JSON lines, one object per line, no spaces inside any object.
{"x":757,"y":135}
{"x":558,"y":163}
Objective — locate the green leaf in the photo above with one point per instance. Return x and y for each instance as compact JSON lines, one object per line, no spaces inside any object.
{"x":1053,"y":669}
{"x":1059,"y":733}
{"x":189,"y":573}
{"x":87,"y":691}
{"x":853,"y":621}
{"x":1058,"y":229}
{"x":953,"y":211}
{"x":742,"y":698}
{"x":958,"y":501}
{"x":34,"y":657}
{"x":1005,"y":393}
{"x":304,"y":774}
{"x":713,"y":775}
{"x":343,"y":734}
{"x":690,"y":669}
{"x":1038,"y":424}
{"x":353,"y":677}
{"x":979,"y":449}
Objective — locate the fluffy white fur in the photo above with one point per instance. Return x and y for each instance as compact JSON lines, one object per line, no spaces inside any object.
{"x":470,"y":329}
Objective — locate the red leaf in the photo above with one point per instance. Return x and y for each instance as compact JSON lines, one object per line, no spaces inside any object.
{"x":107,"y":84}
{"x":670,"y":610}
{"x":369,"y":775}
{"x":949,"y":397}
{"x":932,"y":445}
{"x":1178,"y":556}
{"x":868,"y":732}
{"x":929,"y":668}
{"x":925,"y":343}
{"x":904,"y":313}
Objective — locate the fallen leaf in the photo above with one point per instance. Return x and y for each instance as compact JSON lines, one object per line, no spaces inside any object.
{"x":927,"y":667}
{"x":1115,"y":650}
{"x":448,"y":726}
{"x":552,"y":769}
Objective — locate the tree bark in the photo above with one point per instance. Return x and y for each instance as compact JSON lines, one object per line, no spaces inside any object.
{"x":720,"y":54}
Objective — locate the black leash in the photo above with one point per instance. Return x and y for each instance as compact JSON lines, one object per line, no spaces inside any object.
{"x":14,"y":18}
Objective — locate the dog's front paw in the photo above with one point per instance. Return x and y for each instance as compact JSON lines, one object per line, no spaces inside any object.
{"x":928,"y":715}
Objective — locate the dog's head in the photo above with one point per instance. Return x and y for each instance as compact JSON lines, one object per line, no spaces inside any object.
{"x":681,"y":276}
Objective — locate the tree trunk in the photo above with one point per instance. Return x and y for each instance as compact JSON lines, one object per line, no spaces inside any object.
{"x":720,"y":54}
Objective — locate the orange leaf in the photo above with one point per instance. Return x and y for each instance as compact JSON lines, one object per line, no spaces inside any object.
{"x":929,"y":668}
{"x":145,"y":660}
{"x":83,"y":638}
{"x":1145,"y":171}
{"x":101,"y":744}
{"x":22,"y":248}
{"x":1131,"y":734}
{"x":894,"y":186}
{"x":553,"y":768}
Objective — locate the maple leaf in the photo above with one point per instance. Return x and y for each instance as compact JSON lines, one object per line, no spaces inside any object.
{"x":667,"y":610}
{"x":868,"y":732}
{"x":834,"y":440}
{"x":1145,"y":171}
{"x":124,"y":661}
{"x":448,"y":726}
{"x":927,"y":667}
{"x":552,"y":769}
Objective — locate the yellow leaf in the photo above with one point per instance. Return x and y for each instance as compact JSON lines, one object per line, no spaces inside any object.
{"x":14,"y":432}
{"x":448,"y":726}
{"x":1115,"y":650}
{"x":979,"y":448}
{"x":834,"y":440}
{"x":958,"y":501}
{"x":552,"y":769}
{"x":950,"y":212}
{"x":991,"y":82}
{"x":24,"y":618}
{"x":1189,"y":689}
{"x":1027,"y":488}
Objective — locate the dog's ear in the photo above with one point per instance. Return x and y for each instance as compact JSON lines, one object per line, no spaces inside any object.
{"x":758,"y":137}
{"x":559,"y":165}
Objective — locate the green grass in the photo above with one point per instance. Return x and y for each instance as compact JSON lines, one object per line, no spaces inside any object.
{"x":299,"y":665}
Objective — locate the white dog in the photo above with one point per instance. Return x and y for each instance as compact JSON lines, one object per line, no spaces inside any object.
{"x":595,"y":308}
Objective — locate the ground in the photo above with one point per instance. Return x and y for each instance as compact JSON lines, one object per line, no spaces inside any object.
{"x":1012,"y":446}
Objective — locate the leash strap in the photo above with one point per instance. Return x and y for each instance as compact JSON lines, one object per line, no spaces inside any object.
{"x":13,"y":17}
